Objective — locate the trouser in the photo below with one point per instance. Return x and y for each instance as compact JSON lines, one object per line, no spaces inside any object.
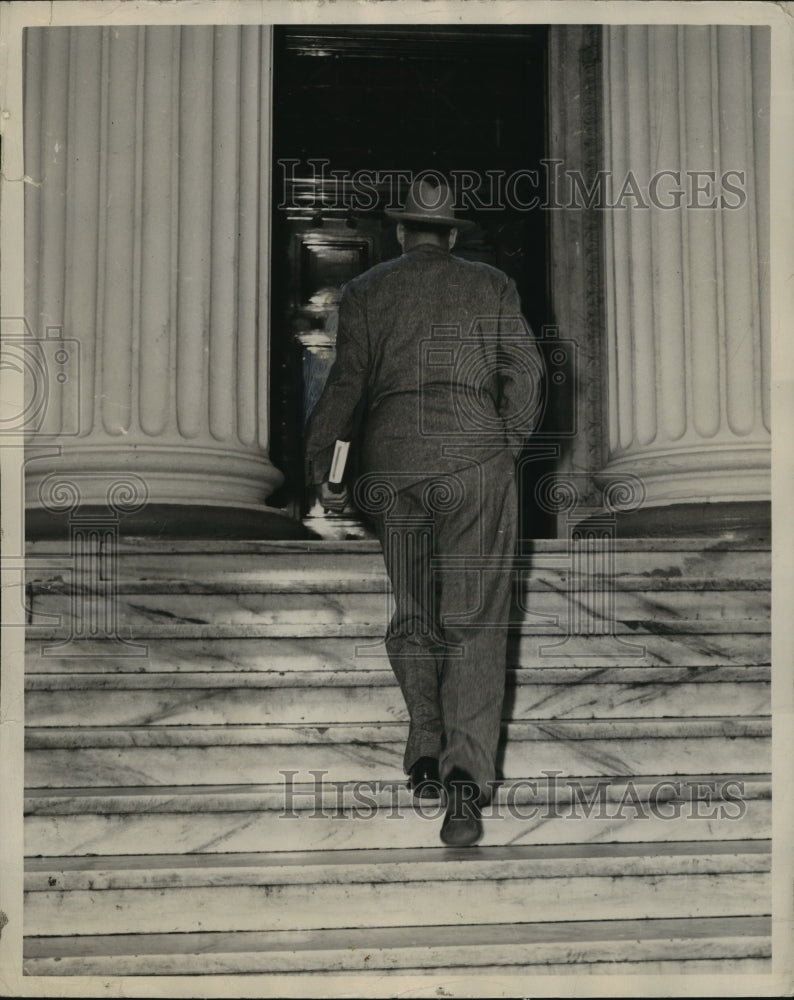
{"x":450,"y":566}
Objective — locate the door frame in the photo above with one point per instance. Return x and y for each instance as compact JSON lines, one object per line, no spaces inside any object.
{"x":576,"y":270}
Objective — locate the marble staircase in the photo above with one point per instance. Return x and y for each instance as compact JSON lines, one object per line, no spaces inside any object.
{"x":214,"y":783}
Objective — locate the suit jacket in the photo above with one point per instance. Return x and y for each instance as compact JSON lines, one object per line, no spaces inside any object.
{"x":435,"y":362}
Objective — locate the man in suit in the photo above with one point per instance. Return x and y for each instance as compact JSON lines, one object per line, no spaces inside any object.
{"x":437,"y":365}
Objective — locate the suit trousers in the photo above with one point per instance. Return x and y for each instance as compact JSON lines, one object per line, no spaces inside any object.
{"x":448,"y":543}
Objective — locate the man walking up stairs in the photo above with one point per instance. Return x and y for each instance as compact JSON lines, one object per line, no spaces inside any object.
{"x":432,"y":350}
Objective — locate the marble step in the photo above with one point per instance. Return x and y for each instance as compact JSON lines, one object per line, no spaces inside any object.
{"x":572,"y":946}
{"x":702,"y":967}
{"x":166,"y":625}
{"x":394,"y":888}
{"x":594,"y":609}
{"x":168,"y":755}
{"x":335,"y":580}
{"x":480,"y":977}
{"x":145,"y":558}
{"x":373,"y":696}
{"x":292,"y":654}
{"x":319,"y":815}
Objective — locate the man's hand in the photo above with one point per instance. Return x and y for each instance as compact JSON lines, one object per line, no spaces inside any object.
{"x":334,"y":497}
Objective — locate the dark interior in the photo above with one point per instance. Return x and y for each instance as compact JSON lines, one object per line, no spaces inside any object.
{"x":390,"y":100}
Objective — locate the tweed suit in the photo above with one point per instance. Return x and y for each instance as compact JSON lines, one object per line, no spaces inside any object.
{"x":436,"y":364}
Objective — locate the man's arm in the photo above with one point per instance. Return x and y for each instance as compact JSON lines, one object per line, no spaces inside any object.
{"x":520,"y":401}
{"x":333,"y":417}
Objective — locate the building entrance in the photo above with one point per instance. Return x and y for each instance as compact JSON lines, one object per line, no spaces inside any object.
{"x":357,"y":113}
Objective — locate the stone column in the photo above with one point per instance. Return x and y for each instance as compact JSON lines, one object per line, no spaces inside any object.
{"x":687,"y":295}
{"x":147,"y":152}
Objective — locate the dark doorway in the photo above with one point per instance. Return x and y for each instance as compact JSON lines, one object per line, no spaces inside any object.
{"x":357,"y":112}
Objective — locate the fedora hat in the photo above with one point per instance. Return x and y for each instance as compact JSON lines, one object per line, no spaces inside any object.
{"x":430,"y":204}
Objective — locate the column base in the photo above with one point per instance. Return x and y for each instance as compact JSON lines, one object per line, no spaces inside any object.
{"x":135,"y":472}
{"x":749,"y":521}
{"x":725,"y":472}
{"x":178,"y":490}
{"x":177,"y":521}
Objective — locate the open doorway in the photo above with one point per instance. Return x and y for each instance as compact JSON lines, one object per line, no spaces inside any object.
{"x":357,"y":112}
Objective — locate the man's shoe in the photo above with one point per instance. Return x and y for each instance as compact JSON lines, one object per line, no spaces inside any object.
{"x":424,"y":779}
{"x":462,"y":824}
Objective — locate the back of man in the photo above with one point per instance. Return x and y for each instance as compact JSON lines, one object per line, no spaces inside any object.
{"x":445,"y":365}
{"x":435,"y":358}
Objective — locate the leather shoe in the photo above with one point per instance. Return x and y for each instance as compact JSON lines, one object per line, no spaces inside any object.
{"x":462,"y":824}
{"x":424,"y":779}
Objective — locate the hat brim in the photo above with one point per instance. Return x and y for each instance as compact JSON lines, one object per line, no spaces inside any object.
{"x":441,"y":221}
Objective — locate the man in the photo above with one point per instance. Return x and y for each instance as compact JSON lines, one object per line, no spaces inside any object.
{"x":437,"y":364}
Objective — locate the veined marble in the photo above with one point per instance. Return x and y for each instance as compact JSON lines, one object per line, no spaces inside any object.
{"x":384,"y":903}
{"x":382,"y":733}
{"x":207,"y":577}
{"x":583,"y":612}
{"x":261,"y":667}
{"x":296,"y":654}
{"x":372,"y":697}
{"x":235,"y":755}
{"x":312,"y":818}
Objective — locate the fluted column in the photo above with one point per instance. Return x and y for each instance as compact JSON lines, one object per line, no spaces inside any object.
{"x":147,"y":257}
{"x":686,"y":276}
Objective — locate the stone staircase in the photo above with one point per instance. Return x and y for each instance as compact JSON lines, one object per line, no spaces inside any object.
{"x":214,"y":782}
